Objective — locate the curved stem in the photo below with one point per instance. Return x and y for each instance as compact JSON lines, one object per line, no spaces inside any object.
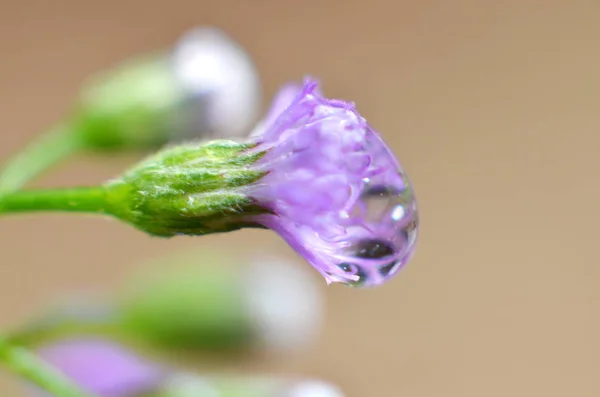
{"x":29,"y":367}
{"x":84,"y":199}
{"x":41,"y":154}
{"x":47,"y":332}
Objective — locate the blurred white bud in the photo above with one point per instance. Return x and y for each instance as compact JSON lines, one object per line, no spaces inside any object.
{"x":205,"y":87}
{"x":221,"y":84}
{"x":284,"y":303}
{"x":191,"y":385}
{"x":314,"y":389}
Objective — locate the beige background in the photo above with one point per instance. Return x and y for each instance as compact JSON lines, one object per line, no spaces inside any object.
{"x":492,"y":106}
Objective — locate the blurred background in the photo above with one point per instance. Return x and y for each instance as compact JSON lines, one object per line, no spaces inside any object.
{"x":492,"y":108}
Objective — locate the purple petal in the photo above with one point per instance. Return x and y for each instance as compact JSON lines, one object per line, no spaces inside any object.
{"x":103,"y":368}
{"x":282,"y":100}
{"x":338,"y":194}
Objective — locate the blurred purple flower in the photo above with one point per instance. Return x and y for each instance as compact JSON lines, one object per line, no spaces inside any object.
{"x":336,"y":192}
{"x":103,"y":368}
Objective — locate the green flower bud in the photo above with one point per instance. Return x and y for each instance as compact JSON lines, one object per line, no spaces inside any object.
{"x":193,"y":301}
{"x":205,"y":86}
{"x":202,"y":302}
{"x":128,"y":106}
{"x":192,"y":189}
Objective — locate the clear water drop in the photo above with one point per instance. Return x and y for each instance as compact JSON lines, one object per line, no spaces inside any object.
{"x":386,"y":219}
{"x":380,"y":201}
{"x":398,"y":212}
{"x":389,"y":269}
{"x":355,"y":271}
{"x":372,"y":249}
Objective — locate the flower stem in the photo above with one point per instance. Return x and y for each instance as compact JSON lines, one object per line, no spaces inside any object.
{"x":83,"y":199}
{"x":29,"y":367}
{"x":46,"y":151}
{"x":50,"y":331}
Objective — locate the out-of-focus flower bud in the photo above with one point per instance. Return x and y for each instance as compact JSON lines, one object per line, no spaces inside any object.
{"x":266,"y":303}
{"x":206,"y":86}
{"x":195,"y":302}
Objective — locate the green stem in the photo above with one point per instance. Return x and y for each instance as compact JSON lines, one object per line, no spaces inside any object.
{"x":47,"y":332}
{"x":41,"y":154}
{"x":84,"y":199}
{"x":28,"y":366}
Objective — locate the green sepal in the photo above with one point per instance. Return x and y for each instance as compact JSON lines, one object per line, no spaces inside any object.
{"x":192,"y":189}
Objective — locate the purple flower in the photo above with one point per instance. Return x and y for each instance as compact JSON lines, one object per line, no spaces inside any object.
{"x":313,"y":171}
{"x":103,"y":368}
{"x":335,"y":191}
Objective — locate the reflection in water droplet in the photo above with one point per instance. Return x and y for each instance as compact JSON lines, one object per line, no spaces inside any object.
{"x":382,"y":201}
{"x":345,"y":267}
{"x":372,"y":249}
{"x":411,"y":231}
{"x":378,"y":201}
{"x":389,"y":269}
{"x":398,"y":212}
{"x":381,"y":231}
{"x":358,"y":210}
{"x":354,"y":270}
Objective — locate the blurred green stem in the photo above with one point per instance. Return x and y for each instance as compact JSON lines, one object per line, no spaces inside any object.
{"x":38,"y":156}
{"x":20,"y":169}
{"x":47,"y":332}
{"x":86,"y":199}
{"x":29,"y":367}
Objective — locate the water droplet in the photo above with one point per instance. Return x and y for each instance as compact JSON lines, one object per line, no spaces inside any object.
{"x":358,"y":210}
{"x":357,"y":162}
{"x":389,"y":269}
{"x":386,"y":222}
{"x":346,"y":267}
{"x":379,"y":201}
{"x":353,"y":270}
{"x":398,"y":212}
{"x":411,"y":231}
{"x":373,"y":249}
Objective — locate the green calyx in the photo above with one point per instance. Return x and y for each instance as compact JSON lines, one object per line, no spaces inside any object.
{"x":192,"y":189}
